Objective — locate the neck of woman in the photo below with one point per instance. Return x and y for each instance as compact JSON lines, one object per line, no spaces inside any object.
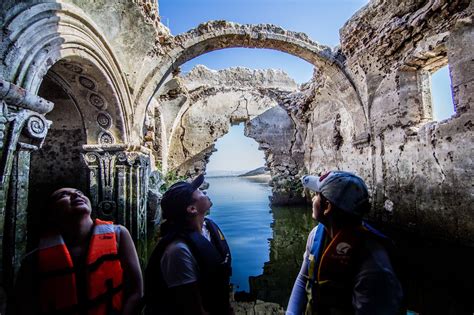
{"x":78,"y":232}
{"x":195,"y":223}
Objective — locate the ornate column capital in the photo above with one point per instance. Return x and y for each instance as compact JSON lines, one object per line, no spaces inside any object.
{"x":119,"y":185}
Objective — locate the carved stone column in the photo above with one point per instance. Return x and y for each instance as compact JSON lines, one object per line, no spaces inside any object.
{"x":23,"y":128}
{"x":119,"y":185}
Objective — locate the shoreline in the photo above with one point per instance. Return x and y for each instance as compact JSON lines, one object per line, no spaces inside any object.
{"x":264,"y":178}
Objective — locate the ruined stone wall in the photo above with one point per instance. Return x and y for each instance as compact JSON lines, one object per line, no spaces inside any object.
{"x":418,"y":169}
{"x":87,"y":57}
{"x":199,"y":108}
{"x":276,"y":133}
{"x":367,"y":109}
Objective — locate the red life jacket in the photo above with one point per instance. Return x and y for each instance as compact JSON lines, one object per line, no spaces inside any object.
{"x":58,"y":286}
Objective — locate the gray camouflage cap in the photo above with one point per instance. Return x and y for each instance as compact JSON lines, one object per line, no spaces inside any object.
{"x":345,"y":190}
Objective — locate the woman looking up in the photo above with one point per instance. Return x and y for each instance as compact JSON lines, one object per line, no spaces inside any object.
{"x":81,"y":266}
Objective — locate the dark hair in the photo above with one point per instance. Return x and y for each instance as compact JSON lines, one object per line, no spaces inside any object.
{"x":175,"y":211}
{"x":173,"y":219}
{"x":176,"y":200}
{"x":47,"y":204}
{"x":342,"y":217}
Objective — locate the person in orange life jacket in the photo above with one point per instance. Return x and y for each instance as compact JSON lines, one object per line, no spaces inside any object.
{"x":346,"y":267}
{"x":81,"y":266}
{"x":189,"y":270}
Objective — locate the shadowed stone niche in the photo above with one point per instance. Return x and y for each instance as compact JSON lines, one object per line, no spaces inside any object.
{"x":86,"y":111}
{"x":59,"y":163}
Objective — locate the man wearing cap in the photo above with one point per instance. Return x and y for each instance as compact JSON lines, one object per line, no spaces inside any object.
{"x":190,"y":268}
{"x":346,"y":267}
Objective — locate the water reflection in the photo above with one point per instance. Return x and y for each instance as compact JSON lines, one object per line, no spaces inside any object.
{"x":267,"y":244}
{"x":240,"y":208}
{"x":291,"y":227}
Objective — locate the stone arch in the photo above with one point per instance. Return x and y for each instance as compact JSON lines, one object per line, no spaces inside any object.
{"x":216,"y":35}
{"x":196,"y":109}
{"x":39,"y":36}
{"x":56,"y":51}
{"x":193,"y":136}
{"x":195,"y":133}
{"x":85,"y":113}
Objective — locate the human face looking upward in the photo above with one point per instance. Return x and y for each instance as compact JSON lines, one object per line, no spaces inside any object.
{"x":201,"y":202}
{"x":69,"y":203}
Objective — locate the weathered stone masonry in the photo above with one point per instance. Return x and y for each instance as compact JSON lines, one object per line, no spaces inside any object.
{"x":103,"y":78}
{"x":197,"y":109}
{"x":23,"y":128}
{"x":421,"y":171}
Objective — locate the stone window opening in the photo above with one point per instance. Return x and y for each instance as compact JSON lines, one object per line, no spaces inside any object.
{"x":442,"y":104}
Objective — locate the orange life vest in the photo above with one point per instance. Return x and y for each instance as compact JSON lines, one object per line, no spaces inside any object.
{"x":57,"y":282}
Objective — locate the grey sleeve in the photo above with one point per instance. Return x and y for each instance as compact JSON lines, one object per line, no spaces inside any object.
{"x":377,"y":289}
{"x":178,"y":265}
{"x":298,"y":299}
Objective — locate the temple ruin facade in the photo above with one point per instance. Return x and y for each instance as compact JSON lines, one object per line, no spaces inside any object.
{"x":91,"y":96}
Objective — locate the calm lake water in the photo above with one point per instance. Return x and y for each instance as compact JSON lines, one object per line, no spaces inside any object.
{"x":240,"y":208}
{"x":267,"y":245}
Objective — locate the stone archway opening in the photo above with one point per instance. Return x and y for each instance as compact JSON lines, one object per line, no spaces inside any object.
{"x":86,"y":112}
{"x":217,"y":35}
{"x":199,"y":108}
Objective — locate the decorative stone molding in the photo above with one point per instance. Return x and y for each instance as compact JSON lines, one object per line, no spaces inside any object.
{"x":105,"y":138}
{"x":23,"y":128}
{"x":104,"y":120}
{"x":37,"y":37}
{"x":119,"y":186}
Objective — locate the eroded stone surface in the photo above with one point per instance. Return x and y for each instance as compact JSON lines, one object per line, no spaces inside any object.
{"x":409,"y":161}
{"x":367,"y":109}
{"x":207,"y":102}
{"x":199,"y":108}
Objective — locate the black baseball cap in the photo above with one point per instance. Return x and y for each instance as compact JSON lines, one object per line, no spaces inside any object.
{"x":178,"y":197}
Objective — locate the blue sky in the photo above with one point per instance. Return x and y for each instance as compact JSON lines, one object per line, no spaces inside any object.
{"x":319,"y":19}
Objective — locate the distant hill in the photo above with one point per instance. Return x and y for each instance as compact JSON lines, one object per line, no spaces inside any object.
{"x":219,"y":173}
{"x":258,"y":171}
